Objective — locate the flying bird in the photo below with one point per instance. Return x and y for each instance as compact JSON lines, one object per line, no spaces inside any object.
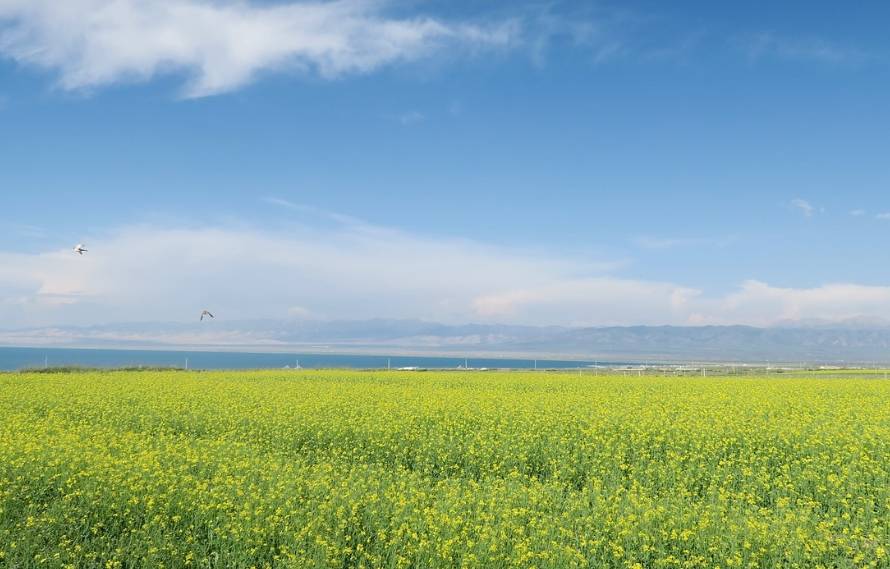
{"x":206,"y":313}
{"x":80,"y":249}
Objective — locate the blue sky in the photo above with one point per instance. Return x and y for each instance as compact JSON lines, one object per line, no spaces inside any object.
{"x":554,"y":163}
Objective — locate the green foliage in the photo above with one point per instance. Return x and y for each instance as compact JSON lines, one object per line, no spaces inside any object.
{"x":425,"y":470}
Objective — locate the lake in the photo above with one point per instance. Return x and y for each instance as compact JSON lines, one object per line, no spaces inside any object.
{"x":20,"y":358}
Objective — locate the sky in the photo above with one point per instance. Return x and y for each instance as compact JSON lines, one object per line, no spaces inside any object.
{"x":545,"y":163}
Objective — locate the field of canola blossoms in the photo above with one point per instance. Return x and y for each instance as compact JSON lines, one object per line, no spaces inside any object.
{"x":447,"y":469}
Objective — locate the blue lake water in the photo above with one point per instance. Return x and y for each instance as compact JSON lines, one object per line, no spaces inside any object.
{"x":21,"y":358}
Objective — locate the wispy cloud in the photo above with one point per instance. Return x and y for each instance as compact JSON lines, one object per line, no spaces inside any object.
{"x":314,"y":212}
{"x":221,"y":45}
{"x":803,"y":206}
{"x":883,"y":216}
{"x":601,"y":32}
{"x":770,"y":45}
{"x":857,"y":212}
{"x":681,"y":50}
{"x":411,"y":117}
{"x":659,"y":243}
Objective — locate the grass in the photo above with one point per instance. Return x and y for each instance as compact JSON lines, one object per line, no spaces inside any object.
{"x":426,"y":470}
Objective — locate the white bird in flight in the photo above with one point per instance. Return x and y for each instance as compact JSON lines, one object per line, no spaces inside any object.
{"x":206,"y":313}
{"x":80,"y":249}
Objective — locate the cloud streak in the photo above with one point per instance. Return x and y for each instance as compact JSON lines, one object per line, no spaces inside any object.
{"x":769,"y":45}
{"x":222,"y":45}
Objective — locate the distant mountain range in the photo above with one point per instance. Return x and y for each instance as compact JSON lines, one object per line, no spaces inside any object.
{"x":850,"y":341}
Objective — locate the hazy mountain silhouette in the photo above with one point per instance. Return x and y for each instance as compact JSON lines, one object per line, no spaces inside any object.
{"x":858,"y":340}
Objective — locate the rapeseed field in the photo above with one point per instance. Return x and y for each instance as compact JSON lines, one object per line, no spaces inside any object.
{"x":442,"y":469}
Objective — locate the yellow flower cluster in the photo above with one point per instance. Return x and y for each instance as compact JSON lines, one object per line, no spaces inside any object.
{"x":442,"y":469}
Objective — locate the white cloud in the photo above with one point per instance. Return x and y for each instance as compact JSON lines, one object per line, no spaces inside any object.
{"x":355,"y":271}
{"x":803,"y":206}
{"x":763,"y":45}
{"x":610,"y":300}
{"x":883,"y":216}
{"x":761,"y":304}
{"x":221,"y":45}
{"x":584,"y":301}
{"x":344,"y":270}
{"x":857,"y":212}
